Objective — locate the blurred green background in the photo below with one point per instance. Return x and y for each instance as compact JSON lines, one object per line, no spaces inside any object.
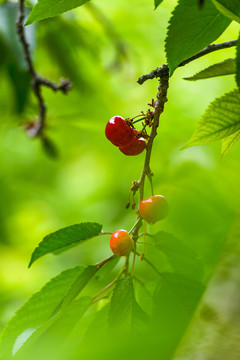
{"x":103,"y":50}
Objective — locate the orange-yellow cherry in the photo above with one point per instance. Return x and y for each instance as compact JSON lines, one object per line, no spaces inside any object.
{"x":121,"y":243}
{"x":154,"y":208}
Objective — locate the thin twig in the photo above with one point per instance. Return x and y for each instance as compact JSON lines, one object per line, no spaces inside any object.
{"x":37,"y":81}
{"x":210,"y":48}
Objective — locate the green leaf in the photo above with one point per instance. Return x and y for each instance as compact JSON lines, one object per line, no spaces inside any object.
{"x":229,"y":141}
{"x":225,"y":67}
{"x":157,"y":3}
{"x":174,"y":302}
{"x":78,"y":284}
{"x":229,"y":8}
{"x":64,"y":325}
{"x":38,"y":309}
{"x":238,"y":63}
{"x":105,"y":270}
{"x":125,"y":313}
{"x":221,"y":119}
{"x":54,"y":333}
{"x":191,"y":30}
{"x":48,"y":8}
{"x":65,"y":237}
{"x":183,"y":259}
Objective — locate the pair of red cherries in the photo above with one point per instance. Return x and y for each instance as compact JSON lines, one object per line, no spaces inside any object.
{"x":124,"y":137}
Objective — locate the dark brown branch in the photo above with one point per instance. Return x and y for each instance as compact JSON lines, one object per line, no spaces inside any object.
{"x":210,"y":48}
{"x":163,"y":74}
{"x":37,"y":81}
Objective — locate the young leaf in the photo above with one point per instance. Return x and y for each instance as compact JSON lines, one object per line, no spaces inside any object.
{"x":65,"y":237}
{"x":229,"y":8}
{"x":157,"y":3}
{"x":48,"y":8}
{"x":191,"y":29}
{"x":174,"y":302}
{"x":125,"y":312}
{"x":183,"y":259}
{"x":225,"y":67}
{"x":238,"y":63}
{"x":221,"y":119}
{"x":38,"y":309}
{"x":228,"y":142}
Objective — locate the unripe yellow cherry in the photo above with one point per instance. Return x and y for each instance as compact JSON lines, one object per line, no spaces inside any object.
{"x":121,"y":243}
{"x":154,"y":208}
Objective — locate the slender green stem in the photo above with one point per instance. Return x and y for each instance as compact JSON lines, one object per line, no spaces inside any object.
{"x":125,"y":266}
{"x":101,"y":298}
{"x":143,"y":118}
{"x":139,"y":220}
{"x":151,"y":183}
{"x":149,"y":263}
{"x":134,"y":257}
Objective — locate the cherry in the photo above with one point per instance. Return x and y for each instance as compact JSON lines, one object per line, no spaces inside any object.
{"x":118,"y":131}
{"x":136,"y":146}
{"x":153,"y":209}
{"x":121,"y":243}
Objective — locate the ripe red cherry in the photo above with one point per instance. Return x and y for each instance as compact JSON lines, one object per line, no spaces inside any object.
{"x":118,"y":131}
{"x":121,"y":243}
{"x":136,"y":146}
{"x":153,"y":209}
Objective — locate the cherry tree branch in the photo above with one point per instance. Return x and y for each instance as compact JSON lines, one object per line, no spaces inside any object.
{"x":163,"y":74}
{"x":210,"y":48}
{"x":37,"y":81}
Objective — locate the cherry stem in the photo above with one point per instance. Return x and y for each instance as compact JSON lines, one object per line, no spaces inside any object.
{"x":135,"y":225}
{"x":149,"y":263}
{"x":134,"y":257}
{"x":151,"y":183}
{"x":143,"y":118}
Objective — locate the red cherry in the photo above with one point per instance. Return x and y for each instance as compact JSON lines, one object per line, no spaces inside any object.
{"x":118,"y":131}
{"x":136,"y":146}
{"x":121,"y":243}
{"x":153,"y":209}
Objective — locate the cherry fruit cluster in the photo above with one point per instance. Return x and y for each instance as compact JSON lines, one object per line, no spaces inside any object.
{"x":152,"y":210}
{"x":124,"y":136}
